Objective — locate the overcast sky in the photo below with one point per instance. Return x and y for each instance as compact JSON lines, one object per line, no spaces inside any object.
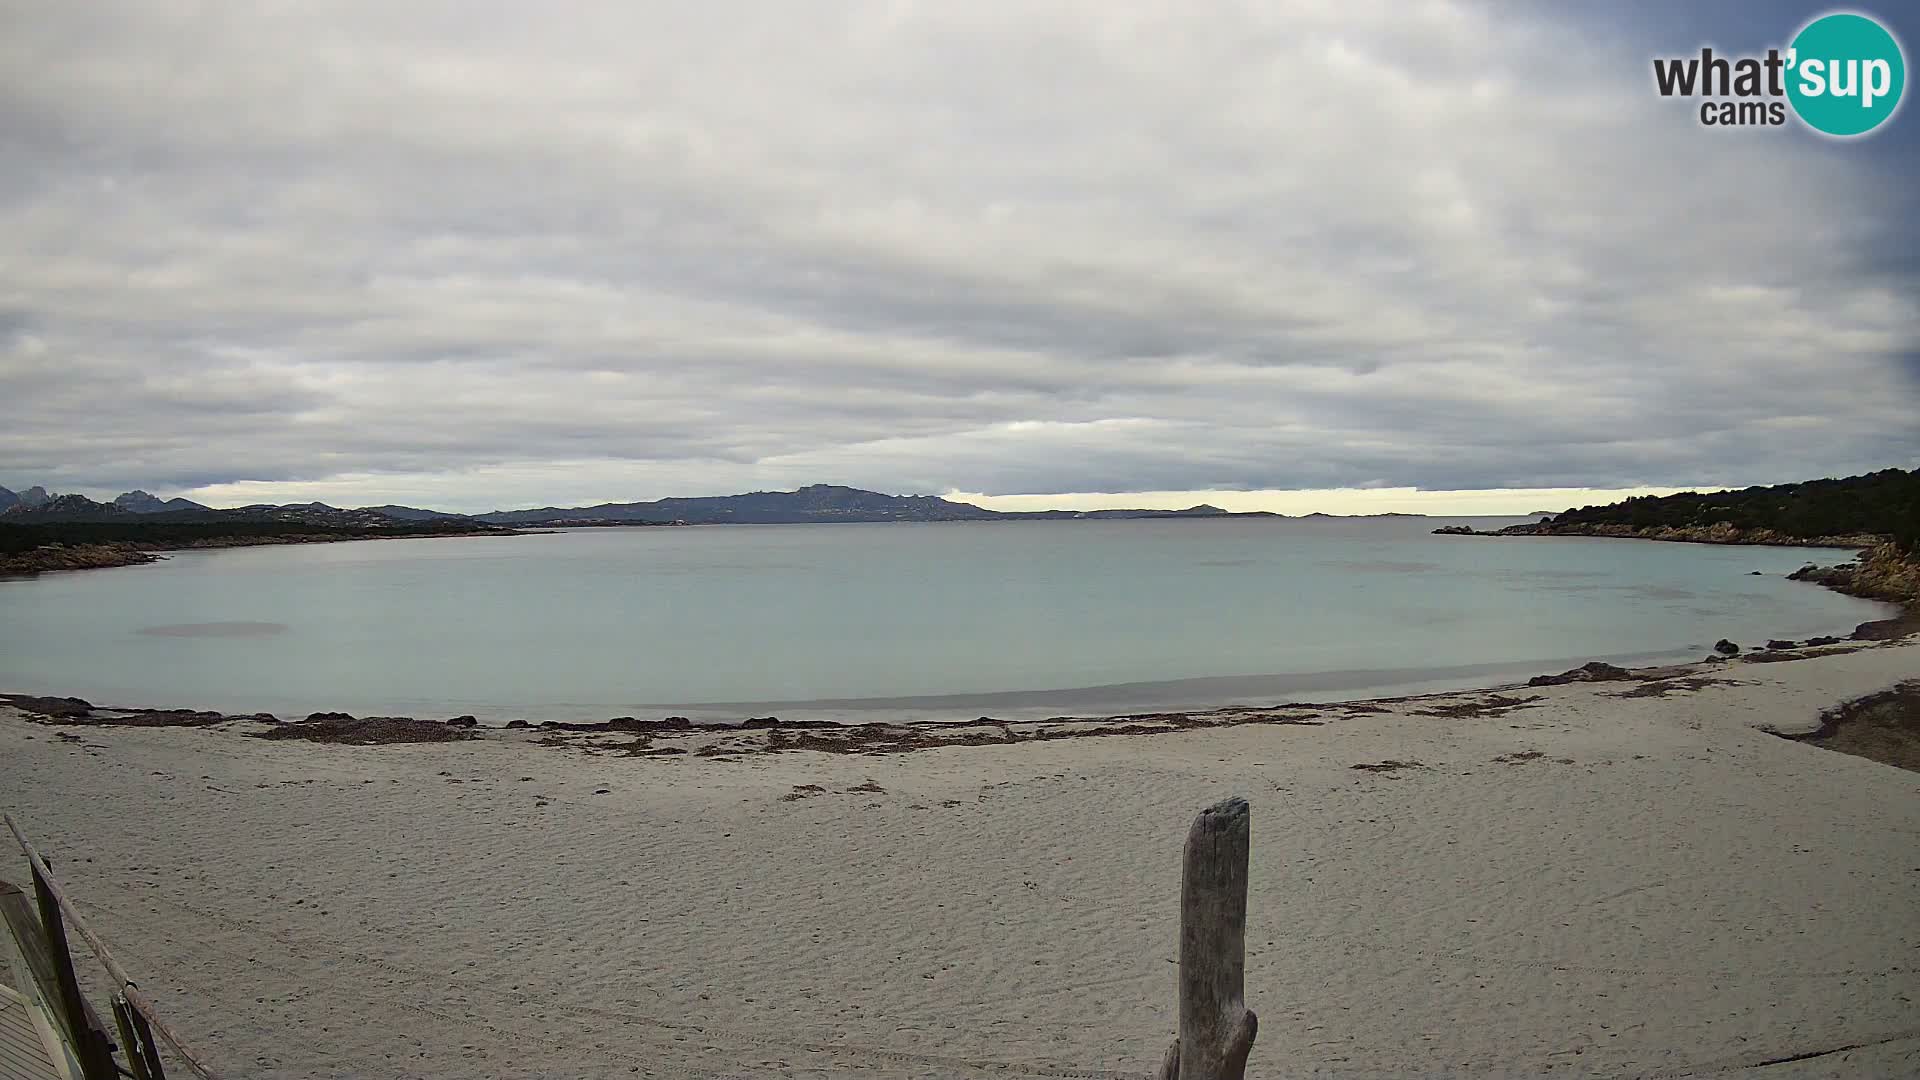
{"x":475,"y":253}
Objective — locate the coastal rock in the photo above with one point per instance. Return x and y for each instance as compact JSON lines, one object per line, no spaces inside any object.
{"x":372,"y":731}
{"x":1777,"y":643}
{"x":1814,"y":642}
{"x":1880,"y":573}
{"x":461,"y":721}
{"x":1721,"y":532}
{"x":1726,"y":648}
{"x":49,"y":706}
{"x":518,"y":724}
{"x":623,"y":723}
{"x":50,"y":557}
{"x":165,"y":718}
{"x":1592,"y":671}
{"x":1453,"y":530}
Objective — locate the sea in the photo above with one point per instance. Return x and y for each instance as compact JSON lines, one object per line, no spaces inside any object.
{"x":869,"y":622}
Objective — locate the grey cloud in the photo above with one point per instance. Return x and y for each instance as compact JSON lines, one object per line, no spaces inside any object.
{"x":473,"y":249}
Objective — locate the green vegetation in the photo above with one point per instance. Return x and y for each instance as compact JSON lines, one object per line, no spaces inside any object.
{"x":1884,"y":503}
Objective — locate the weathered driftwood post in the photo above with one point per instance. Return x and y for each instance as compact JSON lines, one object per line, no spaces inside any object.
{"x":1216,"y":1028}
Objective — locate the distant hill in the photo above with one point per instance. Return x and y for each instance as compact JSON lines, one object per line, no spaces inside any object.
{"x":819,"y":502}
{"x":71,"y":532}
{"x":1883,"y":505}
{"x":33,"y":496}
{"x":139,"y":502}
{"x":411,"y":513}
{"x":68,"y":509}
{"x":815,"y":503}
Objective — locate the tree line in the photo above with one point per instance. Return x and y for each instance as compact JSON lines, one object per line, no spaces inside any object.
{"x":1884,"y":503}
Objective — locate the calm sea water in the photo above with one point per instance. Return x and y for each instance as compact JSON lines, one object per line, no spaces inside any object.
{"x":860,"y":621}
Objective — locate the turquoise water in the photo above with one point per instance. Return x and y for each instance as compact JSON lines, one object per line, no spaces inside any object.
{"x":859,"y":621}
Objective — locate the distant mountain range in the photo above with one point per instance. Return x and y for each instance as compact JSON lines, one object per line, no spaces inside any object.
{"x":815,"y":503}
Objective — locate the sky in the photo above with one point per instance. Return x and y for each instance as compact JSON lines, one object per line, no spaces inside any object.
{"x":1355,"y":256}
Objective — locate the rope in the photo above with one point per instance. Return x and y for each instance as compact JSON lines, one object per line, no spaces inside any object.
{"x":128,"y":988}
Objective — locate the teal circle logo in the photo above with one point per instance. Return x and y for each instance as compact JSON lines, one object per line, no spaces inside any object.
{"x":1845,"y":74}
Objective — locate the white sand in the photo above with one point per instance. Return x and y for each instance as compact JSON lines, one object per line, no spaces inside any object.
{"x":1682,"y":896}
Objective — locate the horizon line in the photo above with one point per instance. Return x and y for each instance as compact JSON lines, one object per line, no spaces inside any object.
{"x":1290,"y":502}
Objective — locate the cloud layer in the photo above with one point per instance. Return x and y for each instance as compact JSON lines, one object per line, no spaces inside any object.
{"x":484,"y":254}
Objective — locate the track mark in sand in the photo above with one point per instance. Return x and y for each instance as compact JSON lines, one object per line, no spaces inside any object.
{"x":1630,"y":891}
{"x":670,"y":1034}
{"x":673,"y":1037}
{"x":1745,"y":1063}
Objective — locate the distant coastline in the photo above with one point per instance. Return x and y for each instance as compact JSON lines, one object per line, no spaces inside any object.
{"x":42,"y":532}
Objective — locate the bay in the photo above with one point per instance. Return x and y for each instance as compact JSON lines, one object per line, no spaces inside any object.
{"x":893,"y":621}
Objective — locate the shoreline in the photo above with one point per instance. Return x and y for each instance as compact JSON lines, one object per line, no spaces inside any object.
{"x":754,"y":735}
{"x":1627,"y":876}
{"x":345,"y":728}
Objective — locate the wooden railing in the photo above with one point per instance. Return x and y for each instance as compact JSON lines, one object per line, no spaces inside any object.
{"x":39,"y":928}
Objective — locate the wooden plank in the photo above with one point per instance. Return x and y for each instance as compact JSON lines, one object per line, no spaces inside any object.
{"x":91,"y":1045}
{"x":24,"y":1054}
{"x":1216,"y":1028}
{"x":89,"y":1041}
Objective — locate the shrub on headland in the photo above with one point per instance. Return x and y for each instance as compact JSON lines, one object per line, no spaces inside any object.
{"x":1882,"y":505}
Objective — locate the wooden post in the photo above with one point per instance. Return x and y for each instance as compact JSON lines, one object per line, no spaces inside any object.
{"x":148,"y":1048}
{"x":95,"y":1056}
{"x":136,"y":1049}
{"x":1216,"y":1028}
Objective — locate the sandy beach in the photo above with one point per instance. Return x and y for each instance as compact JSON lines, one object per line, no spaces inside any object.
{"x":1593,"y":879}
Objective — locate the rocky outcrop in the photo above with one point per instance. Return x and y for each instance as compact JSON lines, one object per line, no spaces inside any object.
{"x":1726,"y":648}
{"x":1717,"y":533}
{"x":1880,"y":573}
{"x":76,"y":557}
{"x":1593,"y":671}
{"x":366,"y":731}
{"x":57,"y":507}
